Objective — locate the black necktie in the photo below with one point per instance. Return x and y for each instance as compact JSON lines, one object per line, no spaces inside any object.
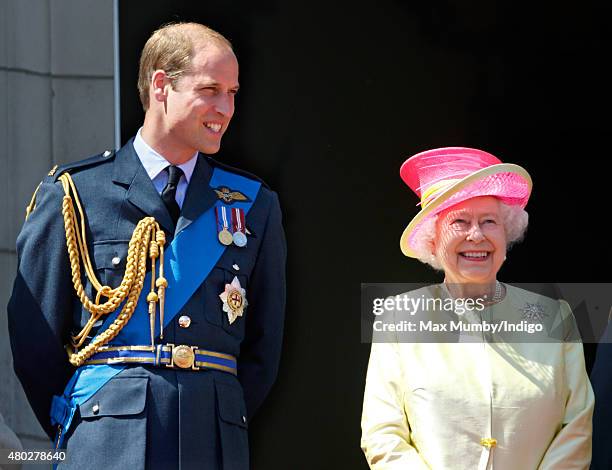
{"x":168,"y":195}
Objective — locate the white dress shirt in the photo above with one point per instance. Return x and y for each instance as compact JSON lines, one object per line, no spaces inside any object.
{"x":155,"y":164}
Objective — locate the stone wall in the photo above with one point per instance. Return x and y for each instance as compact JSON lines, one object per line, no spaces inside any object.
{"x":56,"y":106}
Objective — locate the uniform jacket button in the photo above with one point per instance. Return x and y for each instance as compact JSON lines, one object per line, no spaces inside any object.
{"x":184,"y":321}
{"x":116,"y":260}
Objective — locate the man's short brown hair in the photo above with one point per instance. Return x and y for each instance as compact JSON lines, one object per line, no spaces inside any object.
{"x":171,"y":48}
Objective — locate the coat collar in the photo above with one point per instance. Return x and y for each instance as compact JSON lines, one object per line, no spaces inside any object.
{"x":200,"y":196}
{"x":129,"y":172}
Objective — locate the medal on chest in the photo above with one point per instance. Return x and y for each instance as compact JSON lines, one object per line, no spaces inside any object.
{"x":230,"y":226}
{"x":222,"y":218}
{"x":234,"y":300}
{"x":239,"y":236}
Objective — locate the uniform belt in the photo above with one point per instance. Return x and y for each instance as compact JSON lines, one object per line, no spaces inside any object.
{"x":166,"y":355}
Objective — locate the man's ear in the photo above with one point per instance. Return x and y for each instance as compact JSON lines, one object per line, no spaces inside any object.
{"x":159,"y":85}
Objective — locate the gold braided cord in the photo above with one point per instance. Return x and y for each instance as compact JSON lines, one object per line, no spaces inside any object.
{"x":147,"y":242}
{"x":32,"y":205}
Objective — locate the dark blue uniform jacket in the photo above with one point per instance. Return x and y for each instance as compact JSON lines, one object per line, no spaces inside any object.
{"x":148,"y":417}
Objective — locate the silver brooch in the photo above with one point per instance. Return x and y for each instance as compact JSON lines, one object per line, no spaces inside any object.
{"x":533,"y":312}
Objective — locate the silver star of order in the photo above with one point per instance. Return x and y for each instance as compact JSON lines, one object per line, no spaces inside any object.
{"x":234,"y":300}
{"x":533,"y":312}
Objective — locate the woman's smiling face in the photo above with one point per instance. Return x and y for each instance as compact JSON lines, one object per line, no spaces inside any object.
{"x":470,"y":241}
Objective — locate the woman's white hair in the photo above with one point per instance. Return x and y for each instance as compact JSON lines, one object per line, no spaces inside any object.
{"x":515,"y":220}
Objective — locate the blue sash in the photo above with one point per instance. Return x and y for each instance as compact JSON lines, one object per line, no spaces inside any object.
{"x":188,"y":261}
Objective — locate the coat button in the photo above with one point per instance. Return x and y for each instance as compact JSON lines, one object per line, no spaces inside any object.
{"x":95,"y":409}
{"x":184,"y":321}
{"x":488,"y":442}
{"x":244,"y":419}
{"x":236,"y":267}
{"x":106,"y":154}
{"x":116,"y":260}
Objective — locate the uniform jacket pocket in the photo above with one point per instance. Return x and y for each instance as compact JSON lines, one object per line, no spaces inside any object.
{"x":110,"y":261}
{"x":232,"y":409}
{"x":120,"y":396}
{"x":111,"y":427}
{"x":232,"y":425}
{"x":219,"y":276}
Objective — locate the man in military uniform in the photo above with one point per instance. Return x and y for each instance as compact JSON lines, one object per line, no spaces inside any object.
{"x":161,"y":273}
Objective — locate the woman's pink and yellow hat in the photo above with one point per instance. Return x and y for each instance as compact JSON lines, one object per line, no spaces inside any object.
{"x":447,"y":176}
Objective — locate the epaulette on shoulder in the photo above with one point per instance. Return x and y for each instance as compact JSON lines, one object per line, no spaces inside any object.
{"x":238,"y":171}
{"x":56,"y":171}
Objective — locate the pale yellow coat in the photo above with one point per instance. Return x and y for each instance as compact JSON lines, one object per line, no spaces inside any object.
{"x":429,"y":405}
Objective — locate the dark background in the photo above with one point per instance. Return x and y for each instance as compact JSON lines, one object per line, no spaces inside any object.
{"x":333,"y":99}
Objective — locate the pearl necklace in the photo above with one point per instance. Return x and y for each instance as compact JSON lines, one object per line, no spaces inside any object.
{"x":498,"y":295}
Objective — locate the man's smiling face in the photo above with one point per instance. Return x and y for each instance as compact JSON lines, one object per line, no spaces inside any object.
{"x":199,"y":107}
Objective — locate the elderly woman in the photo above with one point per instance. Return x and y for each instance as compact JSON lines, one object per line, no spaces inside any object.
{"x":477,"y":404}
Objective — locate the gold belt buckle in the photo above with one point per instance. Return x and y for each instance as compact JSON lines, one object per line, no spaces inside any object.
{"x":183,"y":356}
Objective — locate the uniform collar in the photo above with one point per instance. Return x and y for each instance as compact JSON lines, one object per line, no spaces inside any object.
{"x":154,"y":163}
{"x":130,"y":173}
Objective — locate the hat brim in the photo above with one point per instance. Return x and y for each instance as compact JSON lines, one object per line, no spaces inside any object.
{"x":441,"y":201}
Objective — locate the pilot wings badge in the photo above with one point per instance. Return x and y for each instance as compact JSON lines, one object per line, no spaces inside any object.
{"x":229,"y":196}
